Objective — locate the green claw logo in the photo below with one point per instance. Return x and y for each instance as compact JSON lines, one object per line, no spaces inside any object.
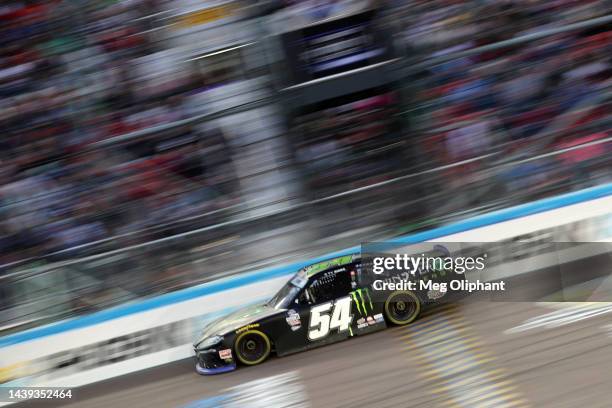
{"x":359,"y":296}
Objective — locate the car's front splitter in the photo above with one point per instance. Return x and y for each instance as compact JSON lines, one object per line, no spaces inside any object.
{"x":218,"y":370}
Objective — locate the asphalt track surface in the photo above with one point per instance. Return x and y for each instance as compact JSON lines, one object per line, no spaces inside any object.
{"x":473,"y":354}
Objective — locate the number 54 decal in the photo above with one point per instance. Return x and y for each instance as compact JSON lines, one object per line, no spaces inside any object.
{"x":322,"y":321}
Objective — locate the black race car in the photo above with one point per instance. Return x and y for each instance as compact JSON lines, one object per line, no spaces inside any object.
{"x":323,"y":303}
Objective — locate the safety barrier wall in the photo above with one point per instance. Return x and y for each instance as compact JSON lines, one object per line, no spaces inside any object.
{"x":159,"y":330}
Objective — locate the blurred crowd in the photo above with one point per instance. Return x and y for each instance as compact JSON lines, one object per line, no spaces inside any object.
{"x":351,"y":145}
{"x":445,"y":26}
{"x":520,"y":100}
{"x":69,"y":78}
{"x":514,"y":101}
{"x":514,"y":93}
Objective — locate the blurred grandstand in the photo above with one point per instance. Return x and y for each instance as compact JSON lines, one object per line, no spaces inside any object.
{"x":147,"y":145}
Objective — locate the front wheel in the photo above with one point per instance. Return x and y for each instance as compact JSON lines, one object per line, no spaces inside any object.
{"x":252,"y":347}
{"x":402,"y":307}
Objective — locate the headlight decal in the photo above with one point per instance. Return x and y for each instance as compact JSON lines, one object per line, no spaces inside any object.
{"x":209,"y":342}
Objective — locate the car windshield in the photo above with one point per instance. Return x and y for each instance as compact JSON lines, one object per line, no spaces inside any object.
{"x":289,"y":291}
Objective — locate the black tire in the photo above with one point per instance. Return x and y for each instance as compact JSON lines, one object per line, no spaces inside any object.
{"x":402,"y":307}
{"x":252,"y":347}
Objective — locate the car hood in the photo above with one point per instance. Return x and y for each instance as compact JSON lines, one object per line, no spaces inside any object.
{"x":237,"y":319}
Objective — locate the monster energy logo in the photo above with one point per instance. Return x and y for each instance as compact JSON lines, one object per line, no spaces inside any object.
{"x":360,"y":296}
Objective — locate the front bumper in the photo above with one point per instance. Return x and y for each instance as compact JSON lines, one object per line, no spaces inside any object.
{"x":209,"y":362}
{"x":210,"y":371}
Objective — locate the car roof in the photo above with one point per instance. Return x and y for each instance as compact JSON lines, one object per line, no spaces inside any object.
{"x":327,"y":264}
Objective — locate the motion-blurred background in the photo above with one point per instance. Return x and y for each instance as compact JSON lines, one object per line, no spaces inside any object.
{"x":150,"y":145}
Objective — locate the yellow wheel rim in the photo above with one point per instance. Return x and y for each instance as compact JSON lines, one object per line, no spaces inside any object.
{"x":414,"y":315}
{"x":264,"y":355}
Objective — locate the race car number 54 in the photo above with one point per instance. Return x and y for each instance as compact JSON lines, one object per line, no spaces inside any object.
{"x":321,"y":322}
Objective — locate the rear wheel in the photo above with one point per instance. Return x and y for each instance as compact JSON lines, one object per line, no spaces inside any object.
{"x":252,"y":347}
{"x":402,"y":307}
